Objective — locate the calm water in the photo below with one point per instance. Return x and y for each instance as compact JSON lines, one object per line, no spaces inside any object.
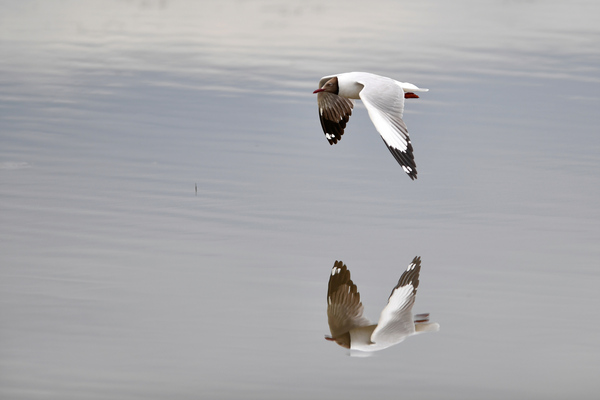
{"x":118,"y":281}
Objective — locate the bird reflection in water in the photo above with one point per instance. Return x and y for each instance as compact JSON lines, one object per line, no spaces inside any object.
{"x":351,"y":330}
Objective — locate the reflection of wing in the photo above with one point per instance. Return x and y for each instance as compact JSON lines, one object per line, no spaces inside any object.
{"x":396,"y":322}
{"x":344,"y":308}
{"x":384,"y":100}
{"x":334,"y":113}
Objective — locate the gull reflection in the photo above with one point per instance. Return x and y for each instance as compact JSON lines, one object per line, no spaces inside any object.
{"x":351,"y":330}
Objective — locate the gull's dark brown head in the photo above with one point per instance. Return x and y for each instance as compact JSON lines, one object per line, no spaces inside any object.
{"x":330,"y":86}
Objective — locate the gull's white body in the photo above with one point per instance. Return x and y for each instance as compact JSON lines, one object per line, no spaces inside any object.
{"x":352,"y":83}
{"x":384,"y":99}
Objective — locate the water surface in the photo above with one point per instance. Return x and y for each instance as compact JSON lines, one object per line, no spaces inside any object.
{"x":119,"y":281}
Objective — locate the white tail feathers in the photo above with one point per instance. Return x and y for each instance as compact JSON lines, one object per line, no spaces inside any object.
{"x":421,"y":327}
{"x":409,"y":87}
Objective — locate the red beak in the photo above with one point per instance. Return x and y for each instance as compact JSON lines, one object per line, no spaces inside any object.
{"x":317,"y":91}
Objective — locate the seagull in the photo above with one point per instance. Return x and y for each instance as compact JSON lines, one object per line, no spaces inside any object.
{"x":352,"y":331}
{"x":384,"y":99}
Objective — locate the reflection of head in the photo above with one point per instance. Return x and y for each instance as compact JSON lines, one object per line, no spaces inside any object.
{"x":342,"y":340}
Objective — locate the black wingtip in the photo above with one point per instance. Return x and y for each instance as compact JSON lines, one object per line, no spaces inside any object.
{"x":406,"y":160}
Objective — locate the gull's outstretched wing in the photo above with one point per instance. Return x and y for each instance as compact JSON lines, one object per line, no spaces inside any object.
{"x":344,"y":308}
{"x":384,"y":99}
{"x":334,"y":113}
{"x":396,"y":321}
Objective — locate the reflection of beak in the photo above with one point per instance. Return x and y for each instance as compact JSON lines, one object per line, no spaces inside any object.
{"x":329,"y":338}
{"x":317,"y":91}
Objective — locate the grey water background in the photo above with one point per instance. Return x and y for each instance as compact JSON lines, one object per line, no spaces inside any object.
{"x":118,"y":281}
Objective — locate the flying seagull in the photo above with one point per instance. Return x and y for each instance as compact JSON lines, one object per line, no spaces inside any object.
{"x":351,"y":330}
{"x":384,"y":99}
